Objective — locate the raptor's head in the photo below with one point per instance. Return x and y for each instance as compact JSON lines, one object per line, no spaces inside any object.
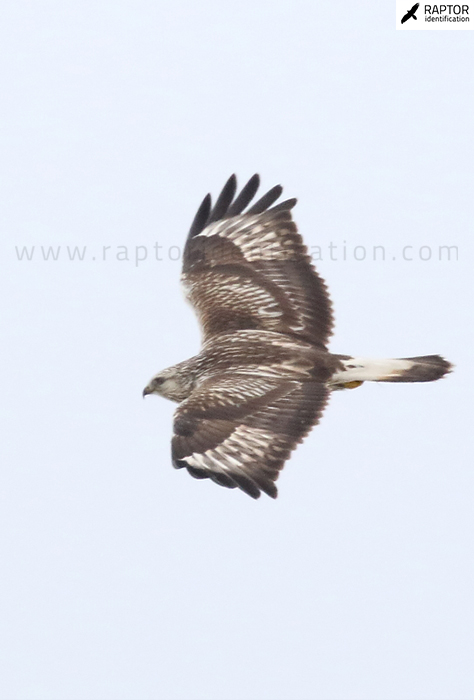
{"x":174,"y":383}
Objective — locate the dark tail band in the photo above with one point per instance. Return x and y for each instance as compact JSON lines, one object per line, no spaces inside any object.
{"x":426,"y":368}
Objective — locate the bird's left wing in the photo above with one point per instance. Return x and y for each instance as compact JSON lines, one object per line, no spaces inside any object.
{"x":250,"y":270}
{"x":239,"y":430}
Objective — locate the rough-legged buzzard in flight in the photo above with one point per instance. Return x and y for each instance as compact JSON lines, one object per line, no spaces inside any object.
{"x":264,"y":374}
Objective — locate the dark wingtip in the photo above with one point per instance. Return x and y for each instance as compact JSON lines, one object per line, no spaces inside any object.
{"x":202,"y":216}
{"x":272,"y":491}
{"x":285,"y":206}
{"x":178,"y":463}
{"x":245,"y":197}
{"x":226,"y":207}
{"x":246,"y":485}
{"x":224,"y":200}
{"x":266,"y":201}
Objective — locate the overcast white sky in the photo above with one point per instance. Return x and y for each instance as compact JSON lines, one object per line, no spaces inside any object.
{"x":121,"y":578}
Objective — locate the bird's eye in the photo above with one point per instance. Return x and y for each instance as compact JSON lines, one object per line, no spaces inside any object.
{"x":158,"y":380}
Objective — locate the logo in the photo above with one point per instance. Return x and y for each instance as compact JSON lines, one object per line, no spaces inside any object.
{"x":411,"y":13}
{"x":434,"y":16}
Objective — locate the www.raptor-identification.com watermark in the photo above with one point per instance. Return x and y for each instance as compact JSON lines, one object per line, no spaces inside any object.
{"x":137,"y":255}
{"x":419,"y":15}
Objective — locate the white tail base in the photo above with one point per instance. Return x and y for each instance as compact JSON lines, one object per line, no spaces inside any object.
{"x":363,"y":369}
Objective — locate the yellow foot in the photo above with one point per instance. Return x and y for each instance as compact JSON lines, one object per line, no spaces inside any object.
{"x":352,"y":385}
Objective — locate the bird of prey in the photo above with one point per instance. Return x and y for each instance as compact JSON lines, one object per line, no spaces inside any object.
{"x":264,"y":373}
{"x":411,"y":13}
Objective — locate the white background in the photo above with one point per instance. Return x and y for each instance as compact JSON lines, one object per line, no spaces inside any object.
{"x":121,"y":578}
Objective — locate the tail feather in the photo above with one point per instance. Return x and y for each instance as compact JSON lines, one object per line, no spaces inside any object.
{"x":427,"y":368}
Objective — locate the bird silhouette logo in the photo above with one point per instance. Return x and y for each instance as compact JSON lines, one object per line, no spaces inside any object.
{"x":411,"y":13}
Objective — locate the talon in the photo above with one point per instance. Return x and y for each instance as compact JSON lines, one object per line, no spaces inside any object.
{"x":352,"y":385}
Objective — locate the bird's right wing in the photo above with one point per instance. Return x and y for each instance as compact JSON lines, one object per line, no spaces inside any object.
{"x":239,"y":430}
{"x":251,"y":270}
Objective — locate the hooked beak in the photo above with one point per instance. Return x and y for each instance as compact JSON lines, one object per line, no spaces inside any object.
{"x":146,"y":391}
